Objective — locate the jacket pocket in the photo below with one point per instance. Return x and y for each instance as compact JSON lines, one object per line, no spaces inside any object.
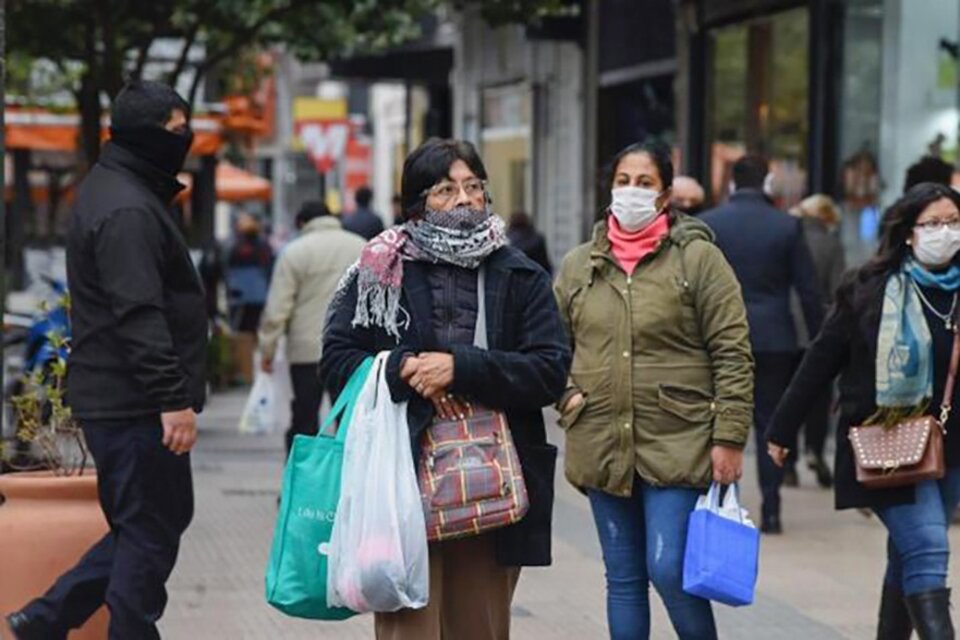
{"x":687,"y":403}
{"x":568,"y":419}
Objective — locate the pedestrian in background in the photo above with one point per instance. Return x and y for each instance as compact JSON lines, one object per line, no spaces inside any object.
{"x":396,"y":209}
{"x":304,"y":281}
{"x":136,"y":370}
{"x":769,"y":255}
{"x":928,"y":169}
{"x":889,"y":337}
{"x":427,"y":271}
{"x":524,"y":236}
{"x":249,"y":265}
{"x":820,"y":217}
{"x":364,"y":222}
{"x":661,"y":388}
{"x":687,"y":196}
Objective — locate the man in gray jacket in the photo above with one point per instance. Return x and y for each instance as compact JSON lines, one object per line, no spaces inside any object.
{"x":304,"y":281}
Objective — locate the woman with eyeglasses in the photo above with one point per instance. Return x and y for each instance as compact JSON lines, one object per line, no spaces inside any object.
{"x":660,"y":397}
{"x":889,"y":337}
{"x":415,"y":292}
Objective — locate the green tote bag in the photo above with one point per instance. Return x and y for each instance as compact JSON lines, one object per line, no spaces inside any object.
{"x":297,"y":570}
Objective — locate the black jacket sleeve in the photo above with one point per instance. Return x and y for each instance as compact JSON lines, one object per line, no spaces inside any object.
{"x":346,"y":346}
{"x":824,"y":359}
{"x":533,"y":375}
{"x":129,"y":257}
{"x":805,"y":282}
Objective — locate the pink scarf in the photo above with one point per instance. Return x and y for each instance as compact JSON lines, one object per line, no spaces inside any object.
{"x":630,"y":248}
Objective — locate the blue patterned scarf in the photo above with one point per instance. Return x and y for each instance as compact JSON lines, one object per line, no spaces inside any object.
{"x":904,"y":345}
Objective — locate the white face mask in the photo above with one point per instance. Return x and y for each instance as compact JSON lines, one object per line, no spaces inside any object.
{"x":635,"y":208}
{"x":934,"y":247}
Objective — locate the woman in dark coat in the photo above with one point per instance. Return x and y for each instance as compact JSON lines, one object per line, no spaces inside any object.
{"x":415,"y":293}
{"x":889,"y":337}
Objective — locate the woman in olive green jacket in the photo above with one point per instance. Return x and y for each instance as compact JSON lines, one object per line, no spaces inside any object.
{"x":661,"y":390}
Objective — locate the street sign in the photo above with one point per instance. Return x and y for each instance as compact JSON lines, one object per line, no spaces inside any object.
{"x":322,"y":129}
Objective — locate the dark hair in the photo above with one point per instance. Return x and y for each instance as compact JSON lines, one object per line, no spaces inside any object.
{"x":928,"y":169}
{"x":310,"y":211}
{"x":898,"y":221}
{"x":520,"y":220}
{"x":428,"y":164}
{"x":750,"y":171}
{"x":146,"y":104}
{"x":364,"y":196}
{"x":659,"y":153}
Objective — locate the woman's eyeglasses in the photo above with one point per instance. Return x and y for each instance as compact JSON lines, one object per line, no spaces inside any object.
{"x":447,"y":191}
{"x":936,"y":225}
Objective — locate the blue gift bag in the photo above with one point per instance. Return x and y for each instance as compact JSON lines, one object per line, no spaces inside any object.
{"x":722,"y":553}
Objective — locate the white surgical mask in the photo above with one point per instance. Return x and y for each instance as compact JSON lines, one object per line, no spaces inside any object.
{"x":635,"y":208}
{"x":935,"y":247}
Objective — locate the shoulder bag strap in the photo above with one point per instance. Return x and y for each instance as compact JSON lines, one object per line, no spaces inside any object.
{"x":480,"y":339}
{"x":948,"y":389}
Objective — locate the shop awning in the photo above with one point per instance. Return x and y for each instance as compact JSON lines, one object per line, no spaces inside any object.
{"x":41,"y":130}
{"x":233,"y":184}
{"x":428,"y":65}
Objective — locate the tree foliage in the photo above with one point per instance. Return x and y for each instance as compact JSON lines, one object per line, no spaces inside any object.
{"x":98,"y":45}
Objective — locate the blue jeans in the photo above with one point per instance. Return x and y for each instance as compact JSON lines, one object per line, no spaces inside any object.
{"x":643,"y":538}
{"x":918,"y":549}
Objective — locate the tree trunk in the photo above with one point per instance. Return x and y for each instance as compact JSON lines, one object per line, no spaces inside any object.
{"x":88,"y":101}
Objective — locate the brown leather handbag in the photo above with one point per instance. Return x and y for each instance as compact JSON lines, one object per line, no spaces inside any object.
{"x":910,"y":451}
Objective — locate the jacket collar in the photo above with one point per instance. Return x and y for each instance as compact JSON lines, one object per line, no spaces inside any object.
{"x":323,"y":223}
{"x":751,"y":195}
{"x":163,"y":185}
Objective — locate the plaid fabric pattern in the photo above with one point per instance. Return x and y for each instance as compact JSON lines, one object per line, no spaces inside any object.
{"x":470,"y":476}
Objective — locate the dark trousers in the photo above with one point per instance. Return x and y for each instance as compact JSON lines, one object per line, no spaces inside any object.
{"x":305,"y":406}
{"x":771,"y":378}
{"x":146,"y":493}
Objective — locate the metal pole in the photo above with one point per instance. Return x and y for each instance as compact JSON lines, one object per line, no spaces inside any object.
{"x":407,"y":117}
{"x":3,"y":207}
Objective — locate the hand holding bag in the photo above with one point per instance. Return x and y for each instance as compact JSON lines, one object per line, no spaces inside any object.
{"x":469,"y":472}
{"x":722,"y":553}
{"x":907,"y":452}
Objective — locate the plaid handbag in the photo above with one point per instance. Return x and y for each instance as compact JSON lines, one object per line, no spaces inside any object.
{"x":470,"y":476}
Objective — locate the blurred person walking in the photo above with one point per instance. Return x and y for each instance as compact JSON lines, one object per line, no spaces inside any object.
{"x":889,"y":337}
{"x":767,"y":251}
{"x":364,"y":222}
{"x":136,"y":370}
{"x":661,"y":389}
{"x":820,"y":216}
{"x":304,"y":281}
{"x":687,"y":196}
{"x":525,"y":237}
{"x":249,"y":265}
{"x":416,"y":292}
{"x":928,"y":169}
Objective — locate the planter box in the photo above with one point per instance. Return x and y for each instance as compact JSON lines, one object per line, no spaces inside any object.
{"x":47,"y":523}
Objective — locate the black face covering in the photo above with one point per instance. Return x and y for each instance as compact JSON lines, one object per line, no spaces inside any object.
{"x":164,"y":149}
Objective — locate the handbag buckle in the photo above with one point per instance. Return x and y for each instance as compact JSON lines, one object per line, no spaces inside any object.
{"x":890,"y":466}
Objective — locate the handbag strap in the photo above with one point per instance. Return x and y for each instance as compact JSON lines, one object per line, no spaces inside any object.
{"x":948,"y":389}
{"x":480,"y":339}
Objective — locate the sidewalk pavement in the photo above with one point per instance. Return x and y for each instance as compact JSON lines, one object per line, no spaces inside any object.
{"x":820,"y":580}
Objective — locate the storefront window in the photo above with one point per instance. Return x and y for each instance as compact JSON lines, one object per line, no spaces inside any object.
{"x":506,"y":143}
{"x":757,"y":100}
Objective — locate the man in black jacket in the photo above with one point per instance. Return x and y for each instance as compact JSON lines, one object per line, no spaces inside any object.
{"x":769,"y":255}
{"x":364,"y":222}
{"x":136,"y":371}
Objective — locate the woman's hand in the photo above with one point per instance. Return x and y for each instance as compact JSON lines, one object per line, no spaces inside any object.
{"x":430,"y":374}
{"x":573,"y":403}
{"x":727,"y":464}
{"x":777,"y":453}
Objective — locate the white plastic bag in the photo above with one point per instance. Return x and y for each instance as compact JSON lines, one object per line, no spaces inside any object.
{"x":730,"y":509}
{"x":260,"y":413}
{"x":378,"y":549}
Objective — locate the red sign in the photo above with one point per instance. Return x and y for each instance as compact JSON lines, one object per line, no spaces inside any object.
{"x":325,"y":141}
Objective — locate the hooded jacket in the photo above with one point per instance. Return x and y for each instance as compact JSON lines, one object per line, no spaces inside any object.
{"x":662,"y":357}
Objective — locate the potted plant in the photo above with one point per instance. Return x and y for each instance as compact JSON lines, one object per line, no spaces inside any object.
{"x":49,"y":511}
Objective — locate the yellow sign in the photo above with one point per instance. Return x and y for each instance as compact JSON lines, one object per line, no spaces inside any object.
{"x":319,"y":109}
